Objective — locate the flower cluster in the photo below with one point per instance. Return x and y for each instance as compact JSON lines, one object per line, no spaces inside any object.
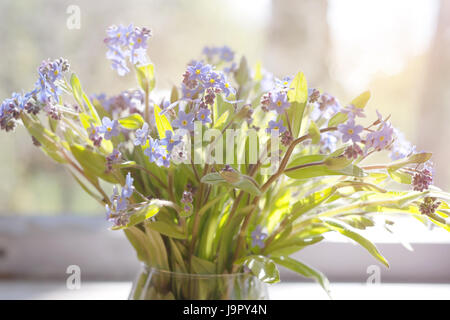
{"x":157,"y":151}
{"x":128,"y":101}
{"x":127,"y":43}
{"x":429,"y":206}
{"x":44,"y":96}
{"x":117,"y":211}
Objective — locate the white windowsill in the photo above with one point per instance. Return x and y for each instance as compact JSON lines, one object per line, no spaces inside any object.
{"x":281,"y":291}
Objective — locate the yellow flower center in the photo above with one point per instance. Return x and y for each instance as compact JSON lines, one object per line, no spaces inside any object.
{"x":382,"y":138}
{"x":212,"y":81}
{"x":285,"y":83}
{"x":171,"y":141}
{"x":227,"y":85}
{"x":279,"y":103}
{"x":56,"y":72}
{"x":202,"y":116}
{"x":276,"y":128}
{"x":153,"y":149}
{"x":197,"y":71}
{"x":184,"y":122}
{"x":118,"y":35}
{"x":109,"y":129}
{"x":351,"y":131}
{"x":139,"y":40}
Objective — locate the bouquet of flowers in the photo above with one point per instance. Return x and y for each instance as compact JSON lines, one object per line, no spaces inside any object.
{"x":232,"y":172}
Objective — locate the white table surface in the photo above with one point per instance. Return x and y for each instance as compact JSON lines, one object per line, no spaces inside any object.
{"x":281,"y":291}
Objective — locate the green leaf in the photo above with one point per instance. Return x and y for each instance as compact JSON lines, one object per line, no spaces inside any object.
{"x":361,"y":100}
{"x":249,"y":185}
{"x":202,"y":266}
{"x":298,"y":97}
{"x":213,"y":178}
{"x":413,"y":159}
{"x":238,"y":181}
{"x":146,"y":77}
{"x":314,"y":133}
{"x":222,"y":119}
{"x":299,"y":89}
{"x":400,"y":177}
{"x":305,"y":271}
{"x":48,"y":140}
{"x":318,"y":168}
{"x":310,"y":202}
{"x":139,"y":241}
{"x":132,"y":122}
{"x":337,"y":119}
{"x":93,"y":163}
{"x":76,"y":89}
{"x":82,"y":98}
{"x":167,"y":229}
{"x":343,"y":229}
{"x":242,"y":74}
{"x":174,"y":94}
{"x":337,"y":163}
{"x":162,"y":124}
{"x":261,"y":267}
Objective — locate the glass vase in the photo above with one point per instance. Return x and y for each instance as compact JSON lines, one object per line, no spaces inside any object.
{"x":155,"y":284}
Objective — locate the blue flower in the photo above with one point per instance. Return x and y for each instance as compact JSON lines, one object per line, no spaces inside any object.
{"x":226,"y":54}
{"x":141,"y":135}
{"x":279,"y":101}
{"x":188,"y":94}
{"x":120,"y":66}
{"x":328,"y":142}
{"x":353,"y":111}
{"x":211,"y":80}
{"x":121,"y":203}
{"x":119,"y":35}
{"x":285,"y":82}
{"x":258,"y":237}
{"x":128,"y":188}
{"x":126,"y":43}
{"x":204,"y":116}
{"x":350,"y":131}
{"x":401,"y":148}
{"x":154,"y":150}
{"x":210,"y":52}
{"x":140,"y":37}
{"x":163,"y":159}
{"x":278,"y":126}
{"x":138,"y":56}
{"x":198,"y":70}
{"x":380,"y":139}
{"x":226,"y":88}
{"x":170,"y":141}
{"x":184,"y":121}
{"x":109,"y":127}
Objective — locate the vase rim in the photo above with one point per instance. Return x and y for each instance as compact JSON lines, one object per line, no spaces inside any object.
{"x":197,"y":275}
